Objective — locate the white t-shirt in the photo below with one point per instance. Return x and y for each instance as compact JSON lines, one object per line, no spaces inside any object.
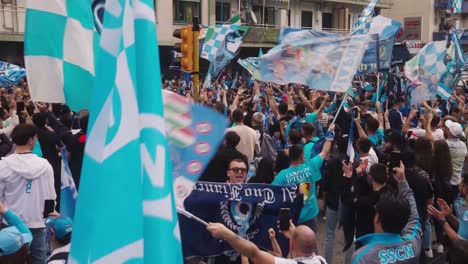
{"x":305,"y":260}
{"x":419,"y":132}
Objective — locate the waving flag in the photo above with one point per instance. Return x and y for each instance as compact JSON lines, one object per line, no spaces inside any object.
{"x":452,"y":73}
{"x":59,"y":47}
{"x":456,"y":7}
{"x":385,"y":27}
{"x":320,"y":63}
{"x":127,"y":172}
{"x":10,"y":74}
{"x":363,"y":24}
{"x":222,"y":44}
{"x":425,"y":70}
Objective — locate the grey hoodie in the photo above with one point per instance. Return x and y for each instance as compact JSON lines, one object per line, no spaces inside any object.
{"x":26,"y":181}
{"x":385,"y":248}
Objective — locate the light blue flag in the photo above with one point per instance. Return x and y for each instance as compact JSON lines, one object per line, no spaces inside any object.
{"x":126,"y":195}
{"x":260,"y":52}
{"x":452,"y":75}
{"x":68,"y":192}
{"x":363,"y":24}
{"x":320,"y":63}
{"x":425,"y":71}
{"x":291,"y":35}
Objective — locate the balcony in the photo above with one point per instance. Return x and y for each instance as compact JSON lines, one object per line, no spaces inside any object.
{"x":442,"y":5}
{"x":386,"y":4}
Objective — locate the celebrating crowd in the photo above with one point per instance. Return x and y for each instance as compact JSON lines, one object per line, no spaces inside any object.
{"x":389,"y":174}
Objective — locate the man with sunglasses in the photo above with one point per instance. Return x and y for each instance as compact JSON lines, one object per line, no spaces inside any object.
{"x":237,"y":171}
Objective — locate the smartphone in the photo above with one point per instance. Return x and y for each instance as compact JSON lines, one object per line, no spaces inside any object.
{"x":19,"y":107}
{"x":48,"y":207}
{"x":395,"y":158}
{"x":355,"y":112}
{"x":284,"y":219}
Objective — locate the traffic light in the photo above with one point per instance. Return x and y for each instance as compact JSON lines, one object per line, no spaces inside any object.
{"x":186,"y":47}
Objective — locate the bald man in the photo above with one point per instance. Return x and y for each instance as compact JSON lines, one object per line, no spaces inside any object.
{"x":302,"y":245}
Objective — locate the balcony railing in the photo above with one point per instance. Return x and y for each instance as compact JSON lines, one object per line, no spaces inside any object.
{"x":381,"y":3}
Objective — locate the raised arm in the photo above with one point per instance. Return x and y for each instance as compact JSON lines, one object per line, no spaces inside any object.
{"x":407,"y":124}
{"x":357,"y":122}
{"x":304,"y":100}
{"x":428,"y":128}
{"x":380,"y":117}
{"x":329,"y":137}
{"x":271,"y":101}
{"x":241,"y":245}
{"x":412,"y":227}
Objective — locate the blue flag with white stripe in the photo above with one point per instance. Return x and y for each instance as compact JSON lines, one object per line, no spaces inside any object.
{"x":126,"y":192}
{"x":10,"y":74}
{"x":455,"y":62}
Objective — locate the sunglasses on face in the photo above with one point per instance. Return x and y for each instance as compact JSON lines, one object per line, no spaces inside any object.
{"x":238,"y":170}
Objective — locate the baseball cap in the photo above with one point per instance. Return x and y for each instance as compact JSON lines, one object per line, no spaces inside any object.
{"x":11,"y":240}
{"x":60,"y":226}
{"x":454,"y":128}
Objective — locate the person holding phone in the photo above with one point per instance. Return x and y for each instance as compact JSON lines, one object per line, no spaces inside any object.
{"x":27,"y":182}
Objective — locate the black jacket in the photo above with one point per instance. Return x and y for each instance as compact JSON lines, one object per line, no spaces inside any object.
{"x":333,"y":180}
{"x":75,"y":146}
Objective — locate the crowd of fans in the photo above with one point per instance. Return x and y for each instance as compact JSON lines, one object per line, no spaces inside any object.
{"x":388,"y":211}
{"x":388,"y":173}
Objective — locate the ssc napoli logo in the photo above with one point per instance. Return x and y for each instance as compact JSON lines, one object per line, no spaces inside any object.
{"x":202,"y":148}
{"x":98,"y":14}
{"x":203,"y":128}
{"x":194,"y":167}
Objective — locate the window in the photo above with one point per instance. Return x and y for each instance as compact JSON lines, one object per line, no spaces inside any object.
{"x":306,"y":19}
{"x":223,"y":11}
{"x":270,"y":16}
{"x":185,"y":10}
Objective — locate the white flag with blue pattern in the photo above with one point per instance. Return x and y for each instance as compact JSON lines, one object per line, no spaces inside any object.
{"x":126,"y":209}
{"x":363,"y":24}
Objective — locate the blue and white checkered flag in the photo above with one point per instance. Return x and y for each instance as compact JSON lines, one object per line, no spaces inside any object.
{"x":456,"y":7}
{"x":126,"y":190}
{"x":425,"y":70}
{"x":59,"y":47}
{"x":363,"y":24}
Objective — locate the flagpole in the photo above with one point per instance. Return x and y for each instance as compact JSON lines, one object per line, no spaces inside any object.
{"x":191,"y":216}
{"x":345,"y":97}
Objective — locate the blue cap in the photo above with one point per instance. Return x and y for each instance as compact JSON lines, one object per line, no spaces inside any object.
{"x":60,"y":226}
{"x":368,"y":87}
{"x":11,"y":240}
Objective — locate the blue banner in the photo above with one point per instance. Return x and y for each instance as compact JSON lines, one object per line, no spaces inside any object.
{"x":378,"y":55}
{"x":247,"y":209}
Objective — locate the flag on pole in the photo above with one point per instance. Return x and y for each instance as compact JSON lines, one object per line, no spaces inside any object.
{"x":68,"y":192}
{"x":126,"y":186}
{"x":452,"y":74}
{"x":59,"y":48}
{"x":235,"y":20}
{"x":363,"y":24}
{"x":385,"y":27}
{"x":425,"y":70}
{"x":222,"y":44}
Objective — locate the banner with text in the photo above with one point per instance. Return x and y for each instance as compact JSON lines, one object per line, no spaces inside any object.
{"x":249,"y":210}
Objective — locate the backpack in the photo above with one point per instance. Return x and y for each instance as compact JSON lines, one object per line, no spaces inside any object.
{"x":59,"y":256}
{"x":267,"y":147}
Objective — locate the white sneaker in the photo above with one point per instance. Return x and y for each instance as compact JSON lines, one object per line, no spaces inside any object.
{"x":428,"y":253}
{"x":439,"y":248}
